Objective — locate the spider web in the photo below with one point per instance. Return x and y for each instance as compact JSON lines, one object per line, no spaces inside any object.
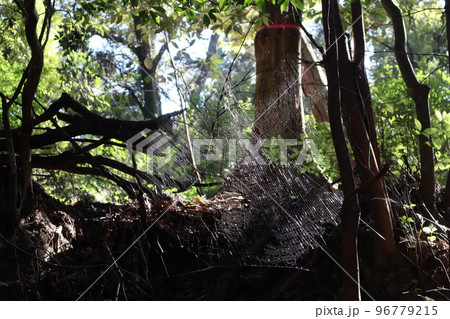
{"x":264,"y":214}
{"x":286,"y":217}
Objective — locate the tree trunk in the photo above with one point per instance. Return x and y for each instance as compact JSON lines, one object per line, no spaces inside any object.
{"x":313,"y":81}
{"x":447,"y":186}
{"x":204,"y":71}
{"x":278,"y":104}
{"x":356,"y":102}
{"x":350,"y":211}
{"x":420,"y":96}
{"x":447,"y":201}
{"x":28,"y":94}
{"x":447,"y":19}
{"x":357,"y":114}
{"x":9,"y":216}
{"x":151,"y":106}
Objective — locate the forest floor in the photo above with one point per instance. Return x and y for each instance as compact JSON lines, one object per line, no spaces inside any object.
{"x":165,"y":249}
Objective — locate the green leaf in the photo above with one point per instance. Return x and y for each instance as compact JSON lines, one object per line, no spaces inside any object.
{"x":155,"y":17}
{"x":430,"y":130}
{"x":228,"y":29}
{"x":438,"y":143}
{"x":429,"y":229}
{"x":86,"y":20}
{"x":186,"y":55}
{"x":284,"y":5}
{"x":148,"y":63}
{"x":298,"y":4}
{"x":119,"y":18}
{"x":261,"y":4}
{"x":212,"y":16}
{"x":431,"y":238}
{"x":160,"y":9}
{"x":418,"y":124}
{"x":446,"y":120}
{"x":206,"y":20}
{"x":222,"y":4}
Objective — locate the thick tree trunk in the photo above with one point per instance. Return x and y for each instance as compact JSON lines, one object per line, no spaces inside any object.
{"x":420,"y":94}
{"x":278,"y":104}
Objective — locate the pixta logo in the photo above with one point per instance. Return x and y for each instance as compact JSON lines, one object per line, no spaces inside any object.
{"x":162,"y":149}
{"x":154,"y":145}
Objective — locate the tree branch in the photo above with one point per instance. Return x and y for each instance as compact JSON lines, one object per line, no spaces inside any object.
{"x":358,"y":33}
{"x":29,"y":91}
{"x":350,"y":210}
{"x":420,"y":93}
